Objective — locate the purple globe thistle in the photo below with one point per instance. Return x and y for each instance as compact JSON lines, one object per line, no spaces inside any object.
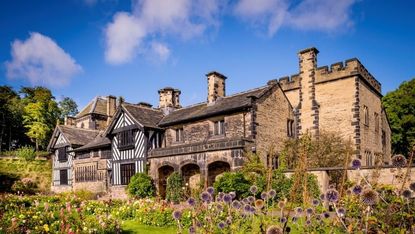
{"x":192,"y":230}
{"x":316,"y":202}
{"x":210,"y":190}
{"x":412,"y":186}
{"x":253,"y":189}
{"x":251,"y":199}
{"x":245,"y":201}
{"x":326,"y":215}
{"x":191,"y":201}
{"x":407,"y":193}
{"x":252,"y":210}
{"x":322,"y":197}
{"x":272,"y":193}
{"x":357,"y":189}
{"x":198,"y":224}
{"x":177,"y":214}
{"x":259,"y":204}
{"x":299,"y":210}
{"x":227,"y":198}
{"x":356,"y":164}
{"x":309,"y":211}
{"x":264,"y":196}
{"x":318,"y":217}
{"x":236,"y":204}
{"x":233,"y":194}
{"x":220,"y":195}
{"x":369,"y":197}
{"x":219,"y":207}
{"x":332,"y":195}
{"x":348,"y":192}
{"x":221,"y":225}
{"x":283,"y":220}
{"x":399,"y":161}
{"x":308,"y":222}
{"x":341,"y":211}
{"x":247,"y":208}
{"x":205,"y":196}
{"x":273,"y":229}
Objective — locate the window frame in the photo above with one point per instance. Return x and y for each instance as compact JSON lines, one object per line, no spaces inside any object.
{"x":178,"y":134}
{"x":63,"y":180}
{"x":290,"y":127}
{"x":125,"y":139}
{"x":219,"y":127}
{"x":62,"y":154}
{"x":127,"y":170}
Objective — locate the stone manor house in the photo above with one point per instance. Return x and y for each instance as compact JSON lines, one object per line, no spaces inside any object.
{"x":109,"y":141}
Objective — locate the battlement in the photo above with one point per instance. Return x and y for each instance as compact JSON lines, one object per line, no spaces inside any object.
{"x":290,"y":82}
{"x":345,"y":69}
{"x":350,"y":67}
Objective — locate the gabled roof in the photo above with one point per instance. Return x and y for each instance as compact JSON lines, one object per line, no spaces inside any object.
{"x":100,"y":141}
{"x":98,"y":105}
{"x":221,"y":106}
{"x":74,"y":135}
{"x":146,"y":116}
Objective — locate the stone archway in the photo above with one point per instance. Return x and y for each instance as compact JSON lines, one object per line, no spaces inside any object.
{"x":216,"y":168}
{"x":163,"y":173}
{"x":191,"y":175}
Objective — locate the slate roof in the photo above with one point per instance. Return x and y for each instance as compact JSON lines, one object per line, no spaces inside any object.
{"x":99,"y":141}
{"x":221,"y":106}
{"x":98,"y":105}
{"x":77,"y":136}
{"x":146,"y":116}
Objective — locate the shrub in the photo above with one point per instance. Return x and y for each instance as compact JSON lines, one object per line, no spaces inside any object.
{"x":25,"y":185}
{"x":174,"y":190}
{"x":141,"y":186}
{"x":233,"y":182}
{"x":281,"y":184}
{"x":26,"y":153}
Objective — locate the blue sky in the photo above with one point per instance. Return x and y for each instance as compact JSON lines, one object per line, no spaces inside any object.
{"x":85,"y":48}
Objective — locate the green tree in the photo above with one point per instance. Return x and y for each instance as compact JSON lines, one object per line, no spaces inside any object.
{"x":35,"y":122}
{"x":68,"y":107}
{"x":400,"y":108}
{"x":141,"y":186}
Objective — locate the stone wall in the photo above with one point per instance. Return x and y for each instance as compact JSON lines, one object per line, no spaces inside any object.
{"x":61,"y":188}
{"x":385,"y":176}
{"x":272,"y":113}
{"x":99,"y":184}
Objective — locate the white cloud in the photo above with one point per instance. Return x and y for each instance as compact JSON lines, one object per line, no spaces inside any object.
{"x":160,"y":50}
{"x":178,"y":18}
{"x":41,"y":61}
{"x":320,"y":15}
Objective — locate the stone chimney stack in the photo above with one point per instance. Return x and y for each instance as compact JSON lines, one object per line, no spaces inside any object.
{"x":309,"y":108}
{"x":169,"y":99}
{"x":111,"y":107}
{"x":216,"y":86}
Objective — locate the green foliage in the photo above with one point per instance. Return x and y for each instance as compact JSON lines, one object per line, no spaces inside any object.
{"x":233,"y":182}
{"x":26,"y":153}
{"x":141,"y":186}
{"x":68,"y":107}
{"x":174,"y":189}
{"x":400,"y":109}
{"x":281,"y":184}
{"x":25,"y":185}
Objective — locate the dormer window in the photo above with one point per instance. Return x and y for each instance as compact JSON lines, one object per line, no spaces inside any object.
{"x":219,"y":127}
{"x":125,"y":139}
{"x":179,"y":134}
{"x":62,"y":156}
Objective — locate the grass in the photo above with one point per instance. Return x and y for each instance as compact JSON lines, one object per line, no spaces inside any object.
{"x":38,"y":170}
{"x":132,"y":226}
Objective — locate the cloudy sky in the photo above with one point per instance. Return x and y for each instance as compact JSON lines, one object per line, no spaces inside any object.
{"x":85,"y":48}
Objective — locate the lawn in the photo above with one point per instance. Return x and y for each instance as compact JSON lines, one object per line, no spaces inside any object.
{"x":132,"y":226}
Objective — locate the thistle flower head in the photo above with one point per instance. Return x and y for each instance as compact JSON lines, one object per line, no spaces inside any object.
{"x":322,"y":197}
{"x":227,"y":198}
{"x":332,"y":195}
{"x":272,"y":193}
{"x":281,"y":204}
{"x":210,"y":190}
{"x":341,"y":211}
{"x":326,"y":215}
{"x":191,"y":201}
{"x":407,"y":193}
{"x":264,"y":196}
{"x":369,"y":197}
{"x":253,"y":189}
{"x":229,"y":220}
{"x":247,"y":208}
{"x":205,"y":196}
{"x":357,"y":189}
{"x":399,"y":161}
{"x":283,"y":220}
{"x":245,"y":201}
{"x":221,"y":225}
{"x":273,"y":229}
{"x":251,"y":199}
{"x":177,"y":214}
{"x":192,"y":230}
{"x":412,"y":186}
{"x":233,"y":194}
{"x":315,"y":202}
{"x":236,"y":204}
{"x":299,"y":210}
{"x":356,"y":163}
{"x":309,"y":211}
{"x":259,"y":204}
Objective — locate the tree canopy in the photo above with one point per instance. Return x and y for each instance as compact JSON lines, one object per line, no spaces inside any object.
{"x":400,"y":108}
{"x":68,"y":107}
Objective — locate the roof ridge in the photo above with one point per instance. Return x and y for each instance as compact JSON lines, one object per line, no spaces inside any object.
{"x":83,"y":129}
{"x":94,"y":105}
{"x":143,"y":107}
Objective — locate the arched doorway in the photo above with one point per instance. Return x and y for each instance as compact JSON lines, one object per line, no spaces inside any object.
{"x":215,"y":169}
{"x":191,"y":175}
{"x":164,"y":172}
